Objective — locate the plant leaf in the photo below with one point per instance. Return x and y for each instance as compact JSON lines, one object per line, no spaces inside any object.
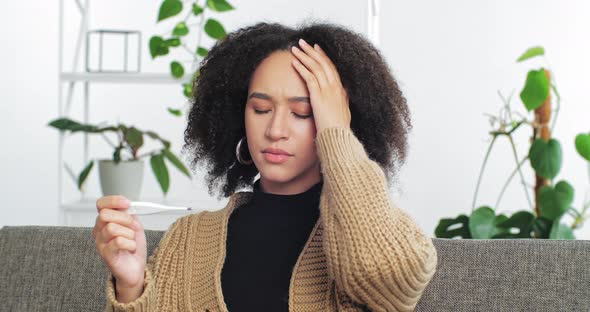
{"x":482,"y":223}
{"x":175,"y":112}
{"x":63,"y":124}
{"x":531,"y":52}
{"x":187,"y":89}
{"x":180,"y":29}
{"x":561,"y":231}
{"x":522,"y":220}
{"x":134,"y":137}
{"x":536,"y":89}
{"x":117,"y":154}
{"x":197,"y":10}
{"x":545,"y":157}
{"x":219,"y":5}
{"x":169,"y":8}
{"x":84,"y":174}
{"x":583,"y":145}
{"x":176,"y":162}
{"x":541,"y":227}
{"x":202,"y":51}
{"x":442,"y":229}
{"x":214,"y":29}
{"x":172,"y":42}
{"x":71,"y":125}
{"x":554,"y":202}
{"x":153,"y":135}
{"x":176,"y":69}
{"x":160,"y":171}
{"x":157,"y":46}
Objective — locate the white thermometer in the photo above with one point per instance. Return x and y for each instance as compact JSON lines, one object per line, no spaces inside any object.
{"x":145,"y":208}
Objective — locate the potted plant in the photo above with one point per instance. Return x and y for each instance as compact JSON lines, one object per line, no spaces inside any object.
{"x":551,"y":201}
{"x":123,"y":174}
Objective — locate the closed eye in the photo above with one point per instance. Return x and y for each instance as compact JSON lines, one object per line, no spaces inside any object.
{"x":296,"y":115}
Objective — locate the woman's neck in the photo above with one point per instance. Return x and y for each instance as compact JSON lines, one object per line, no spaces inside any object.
{"x":290,"y":187}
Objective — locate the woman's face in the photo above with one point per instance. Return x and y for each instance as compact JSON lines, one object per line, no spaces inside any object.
{"x":278,"y":115}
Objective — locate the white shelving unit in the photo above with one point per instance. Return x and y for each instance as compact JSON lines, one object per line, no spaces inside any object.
{"x":82,"y":212}
{"x":86,"y":77}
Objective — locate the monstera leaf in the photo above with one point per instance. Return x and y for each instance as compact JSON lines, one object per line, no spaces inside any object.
{"x":483,"y":223}
{"x":542,"y":227}
{"x":521,"y":220}
{"x":442,"y":229}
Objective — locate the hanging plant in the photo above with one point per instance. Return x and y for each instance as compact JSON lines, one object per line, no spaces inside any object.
{"x":194,"y":20}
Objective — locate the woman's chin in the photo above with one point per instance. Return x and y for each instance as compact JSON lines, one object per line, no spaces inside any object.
{"x":274,"y":174}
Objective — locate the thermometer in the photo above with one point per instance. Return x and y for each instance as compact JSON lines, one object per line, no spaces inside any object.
{"x":145,"y":208}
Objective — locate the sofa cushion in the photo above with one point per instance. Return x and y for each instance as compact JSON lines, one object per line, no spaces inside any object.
{"x":46,"y":268}
{"x":509,"y":275}
{"x":53,"y":269}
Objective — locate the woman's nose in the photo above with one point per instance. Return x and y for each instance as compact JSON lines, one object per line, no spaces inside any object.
{"x":278,"y":127}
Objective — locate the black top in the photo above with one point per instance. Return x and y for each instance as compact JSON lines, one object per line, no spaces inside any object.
{"x":264,"y":239}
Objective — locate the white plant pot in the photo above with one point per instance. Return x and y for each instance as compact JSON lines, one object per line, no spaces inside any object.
{"x":124,"y":178}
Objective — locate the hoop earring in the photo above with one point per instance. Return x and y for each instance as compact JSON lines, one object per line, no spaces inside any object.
{"x":238,"y":156}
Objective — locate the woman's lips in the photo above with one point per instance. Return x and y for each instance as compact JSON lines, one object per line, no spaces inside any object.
{"x":276,"y":158}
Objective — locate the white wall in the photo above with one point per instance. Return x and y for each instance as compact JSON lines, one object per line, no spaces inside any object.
{"x":450,"y":57}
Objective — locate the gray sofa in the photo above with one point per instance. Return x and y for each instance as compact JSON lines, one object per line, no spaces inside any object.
{"x":58,"y":269}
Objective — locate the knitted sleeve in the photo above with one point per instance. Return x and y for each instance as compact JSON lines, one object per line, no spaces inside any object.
{"x":376,"y":253}
{"x":148,"y":301}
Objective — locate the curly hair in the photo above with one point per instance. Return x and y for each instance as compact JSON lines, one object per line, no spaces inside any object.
{"x":380,"y":117}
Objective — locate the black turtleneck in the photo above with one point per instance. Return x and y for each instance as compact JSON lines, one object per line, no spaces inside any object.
{"x":264,"y":239}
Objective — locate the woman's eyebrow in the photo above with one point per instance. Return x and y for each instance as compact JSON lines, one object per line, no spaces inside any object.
{"x":264,"y":96}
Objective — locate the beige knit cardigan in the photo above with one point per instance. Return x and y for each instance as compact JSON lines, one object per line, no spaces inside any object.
{"x":363,"y":254}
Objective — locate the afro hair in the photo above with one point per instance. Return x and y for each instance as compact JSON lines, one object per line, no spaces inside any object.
{"x":380,"y":117}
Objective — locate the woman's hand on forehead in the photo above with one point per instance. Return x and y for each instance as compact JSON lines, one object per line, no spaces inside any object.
{"x":329,"y":100}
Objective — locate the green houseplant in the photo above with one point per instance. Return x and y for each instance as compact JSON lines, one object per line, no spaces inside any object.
{"x":551,"y":200}
{"x":192,"y":20}
{"x":130,"y":140}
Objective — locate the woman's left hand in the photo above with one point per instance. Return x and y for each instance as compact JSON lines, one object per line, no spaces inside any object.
{"x":329,"y":100}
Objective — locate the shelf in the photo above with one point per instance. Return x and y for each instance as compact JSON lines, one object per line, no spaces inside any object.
{"x":114,"y":77}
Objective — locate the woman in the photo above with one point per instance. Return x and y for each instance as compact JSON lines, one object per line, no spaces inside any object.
{"x":316,"y":112}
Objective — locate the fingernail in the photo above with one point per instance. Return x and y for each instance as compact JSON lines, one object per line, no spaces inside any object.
{"x":301,"y":41}
{"x":316,"y":46}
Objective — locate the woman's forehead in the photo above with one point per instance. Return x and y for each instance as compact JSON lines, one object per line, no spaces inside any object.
{"x":276,"y":76}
